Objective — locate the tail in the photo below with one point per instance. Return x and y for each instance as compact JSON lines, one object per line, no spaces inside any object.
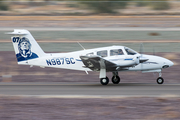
{"x":25,"y":46}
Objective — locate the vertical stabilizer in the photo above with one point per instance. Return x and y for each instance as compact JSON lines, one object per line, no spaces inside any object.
{"x":25,"y":46}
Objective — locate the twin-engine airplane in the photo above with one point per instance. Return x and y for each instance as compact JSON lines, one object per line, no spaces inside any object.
{"x":106,"y":59}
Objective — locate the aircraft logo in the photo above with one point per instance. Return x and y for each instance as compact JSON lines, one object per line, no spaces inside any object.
{"x":24,"y":47}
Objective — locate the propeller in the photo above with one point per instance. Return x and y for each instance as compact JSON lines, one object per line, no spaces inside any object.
{"x":142,"y":59}
{"x":139,"y":58}
{"x":141,"y":52}
{"x":136,"y":59}
{"x":153,"y":51}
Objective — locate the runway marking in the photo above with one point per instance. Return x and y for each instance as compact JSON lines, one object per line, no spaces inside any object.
{"x":93,"y":29}
{"x":104,"y":41}
{"x":93,"y":17}
{"x":93,"y":96}
{"x":81,"y":84}
{"x":88,"y":90}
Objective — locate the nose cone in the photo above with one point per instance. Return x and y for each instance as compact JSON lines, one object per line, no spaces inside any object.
{"x":167,"y":63}
{"x":170,"y":63}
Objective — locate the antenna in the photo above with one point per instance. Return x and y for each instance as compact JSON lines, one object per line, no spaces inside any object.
{"x":81,"y":46}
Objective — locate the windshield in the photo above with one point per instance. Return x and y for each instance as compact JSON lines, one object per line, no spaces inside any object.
{"x":130,"y":51}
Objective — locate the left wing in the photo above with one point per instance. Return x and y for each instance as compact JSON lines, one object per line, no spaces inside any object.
{"x":96,"y":63}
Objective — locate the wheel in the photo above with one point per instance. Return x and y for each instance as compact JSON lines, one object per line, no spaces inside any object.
{"x":104,"y":81}
{"x":160,"y":80}
{"x":115,"y":79}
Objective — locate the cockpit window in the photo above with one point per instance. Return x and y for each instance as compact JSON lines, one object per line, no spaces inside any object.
{"x":130,"y":52}
{"x":116,"y":52}
{"x":102,"y":53}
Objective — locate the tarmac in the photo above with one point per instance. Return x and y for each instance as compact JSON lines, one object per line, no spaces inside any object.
{"x":88,"y":90}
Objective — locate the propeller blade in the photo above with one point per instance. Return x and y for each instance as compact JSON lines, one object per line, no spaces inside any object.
{"x":141,"y":52}
{"x":136,"y":59}
{"x":153,"y":51}
{"x":141,"y":49}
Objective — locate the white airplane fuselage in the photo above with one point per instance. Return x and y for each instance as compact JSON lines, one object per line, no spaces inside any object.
{"x":72,"y":61}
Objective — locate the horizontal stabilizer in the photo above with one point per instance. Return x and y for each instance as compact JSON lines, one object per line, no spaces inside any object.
{"x":18,"y":32}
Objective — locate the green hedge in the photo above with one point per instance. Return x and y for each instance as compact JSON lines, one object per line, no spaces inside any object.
{"x":3,"y":6}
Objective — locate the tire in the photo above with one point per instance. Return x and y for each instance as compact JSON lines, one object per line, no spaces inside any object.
{"x":115,"y":79}
{"x":160,"y":80}
{"x":104,"y":81}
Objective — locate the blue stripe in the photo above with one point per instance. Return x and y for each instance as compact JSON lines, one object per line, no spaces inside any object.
{"x":129,"y":59}
{"x":78,"y":60}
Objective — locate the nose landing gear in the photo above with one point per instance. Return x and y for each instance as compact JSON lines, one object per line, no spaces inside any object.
{"x":160,"y":80}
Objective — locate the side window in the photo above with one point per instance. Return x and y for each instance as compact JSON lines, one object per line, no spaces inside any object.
{"x":89,"y":54}
{"x":102,"y":53}
{"x":116,"y":52}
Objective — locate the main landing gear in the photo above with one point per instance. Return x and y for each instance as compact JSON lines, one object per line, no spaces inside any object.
{"x":160,"y":80}
{"x":115,"y":79}
{"x":104,"y":81}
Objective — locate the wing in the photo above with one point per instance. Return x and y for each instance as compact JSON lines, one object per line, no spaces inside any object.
{"x":95,"y":63}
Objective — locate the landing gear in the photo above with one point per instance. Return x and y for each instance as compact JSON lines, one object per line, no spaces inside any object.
{"x":160,"y":80}
{"x":115,"y":79}
{"x":104,"y":81}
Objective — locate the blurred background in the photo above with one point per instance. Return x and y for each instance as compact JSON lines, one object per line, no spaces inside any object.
{"x":89,"y":7}
{"x":58,"y":25}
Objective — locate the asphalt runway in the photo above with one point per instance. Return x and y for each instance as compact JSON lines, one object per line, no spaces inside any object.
{"x":87,"y":89}
{"x":92,"y":28}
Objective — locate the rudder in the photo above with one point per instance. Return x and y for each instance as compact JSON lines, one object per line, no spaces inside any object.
{"x":25,"y":46}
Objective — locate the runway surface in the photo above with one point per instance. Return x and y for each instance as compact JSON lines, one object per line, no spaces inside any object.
{"x":87,"y":89}
{"x":93,"y":28}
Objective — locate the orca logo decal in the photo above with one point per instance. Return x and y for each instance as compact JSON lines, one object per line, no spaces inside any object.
{"x":24,"y":47}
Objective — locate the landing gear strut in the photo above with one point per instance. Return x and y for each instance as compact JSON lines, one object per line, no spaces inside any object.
{"x":160,"y":80}
{"x":115,"y":79}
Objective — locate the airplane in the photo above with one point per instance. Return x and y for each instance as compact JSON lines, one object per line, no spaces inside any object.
{"x":105,"y":59}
